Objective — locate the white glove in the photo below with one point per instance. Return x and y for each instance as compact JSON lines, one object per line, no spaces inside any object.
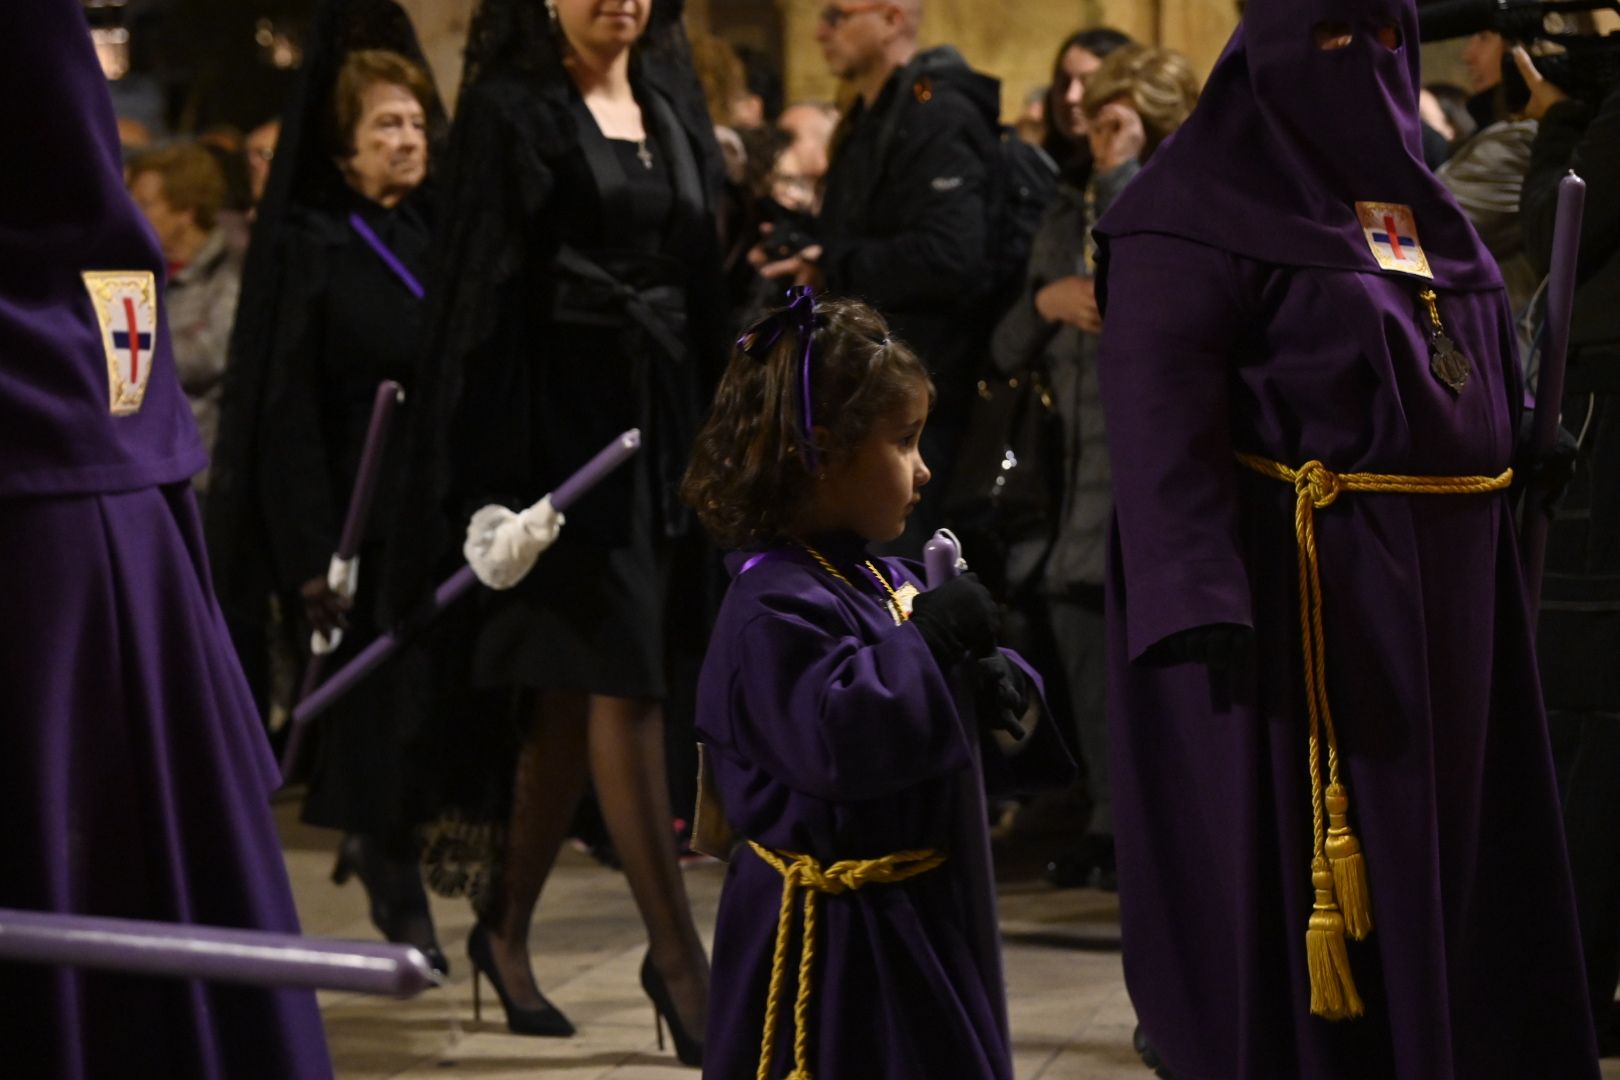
{"x":343,"y":578}
{"x":502,"y":546}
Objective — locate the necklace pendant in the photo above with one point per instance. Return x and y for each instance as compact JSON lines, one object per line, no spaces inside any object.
{"x":644,"y":154}
{"x":1447,"y":362}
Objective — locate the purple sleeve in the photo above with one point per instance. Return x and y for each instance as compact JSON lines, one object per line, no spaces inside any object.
{"x":838,"y":718}
{"x":1174,"y":315}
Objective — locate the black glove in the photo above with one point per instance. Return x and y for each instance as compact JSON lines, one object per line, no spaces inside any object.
{"x":1544,"y":477}
{"x":957,"y":619}
{"x":1001,"y":692}
{"x":1220,"y":646}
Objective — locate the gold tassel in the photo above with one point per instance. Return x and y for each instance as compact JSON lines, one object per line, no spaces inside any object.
{"x":1349,"y":866}
{"x":1333,"y":990}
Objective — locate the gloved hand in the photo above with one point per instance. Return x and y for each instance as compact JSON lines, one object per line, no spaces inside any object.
{"x":1544,"y":477}
{"x":1001,"y":692}
{"x":328,"y":602}
{"x":957,"y":619}
{"x":1220,"y":646}
{"x":502,"y":546}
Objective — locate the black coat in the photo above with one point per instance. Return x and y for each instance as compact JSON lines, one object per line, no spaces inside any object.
{"x":905,"y":218}
{"x":1580,"y":624}
{"x":347,"y":322}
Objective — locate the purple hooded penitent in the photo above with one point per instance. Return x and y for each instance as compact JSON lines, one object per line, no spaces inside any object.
{"x":1264,"y":280}
{"x":134,"y":777}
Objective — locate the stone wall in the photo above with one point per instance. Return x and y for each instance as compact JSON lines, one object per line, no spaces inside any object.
{"x":1013,"y":42}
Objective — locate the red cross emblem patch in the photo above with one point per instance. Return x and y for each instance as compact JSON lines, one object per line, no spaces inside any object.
{"x":1391,"y":233}
{"x":125,"y":302}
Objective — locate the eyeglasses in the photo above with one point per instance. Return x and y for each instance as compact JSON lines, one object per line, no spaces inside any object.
{"x":833,"y":14}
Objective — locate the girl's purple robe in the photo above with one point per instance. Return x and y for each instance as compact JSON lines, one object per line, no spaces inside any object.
{"x":832,"y":731}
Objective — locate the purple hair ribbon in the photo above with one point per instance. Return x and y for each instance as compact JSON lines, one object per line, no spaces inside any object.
{"x":757,"y":341}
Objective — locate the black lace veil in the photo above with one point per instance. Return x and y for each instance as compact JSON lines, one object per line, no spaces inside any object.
{"x":303,"y":174}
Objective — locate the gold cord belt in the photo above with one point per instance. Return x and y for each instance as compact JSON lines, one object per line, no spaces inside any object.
{"x":1338,"y":869}
{"x":803,"y":872}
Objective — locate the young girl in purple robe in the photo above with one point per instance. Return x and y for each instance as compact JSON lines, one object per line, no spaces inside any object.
{"x":837,"y":708}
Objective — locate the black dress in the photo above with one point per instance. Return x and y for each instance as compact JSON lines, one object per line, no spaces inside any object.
{"x":588,"y":618}
{"x":349,"y":324}
{"x":578,"y":297}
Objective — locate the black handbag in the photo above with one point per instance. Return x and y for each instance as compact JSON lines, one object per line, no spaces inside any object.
{"x":1006,"y":483}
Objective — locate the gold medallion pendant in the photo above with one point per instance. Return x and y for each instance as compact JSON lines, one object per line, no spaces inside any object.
{"x":1446,"y":361}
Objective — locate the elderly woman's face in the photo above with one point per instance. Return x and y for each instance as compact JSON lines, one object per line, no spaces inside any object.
{"x":603,"y":26}
{"x":390,"y":144}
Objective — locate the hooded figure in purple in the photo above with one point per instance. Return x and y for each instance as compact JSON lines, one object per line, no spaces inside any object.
{"x":1287,"y":281}
{"x":134,"y":776}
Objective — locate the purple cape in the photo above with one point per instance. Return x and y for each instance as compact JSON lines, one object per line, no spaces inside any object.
{"x":832,"y":731}
{"x":133,"y":773}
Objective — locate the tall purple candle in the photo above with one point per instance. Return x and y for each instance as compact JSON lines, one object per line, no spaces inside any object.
{"x":1550,"y":382}
{"x":567,"y":493}
{"x":214,"y":953}
{"x":942,"y":561}
{"x":389,"y":395}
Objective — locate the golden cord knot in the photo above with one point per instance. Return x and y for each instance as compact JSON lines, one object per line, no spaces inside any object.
{"x":1318,"y":482}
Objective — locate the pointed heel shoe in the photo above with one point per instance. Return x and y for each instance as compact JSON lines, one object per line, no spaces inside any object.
{"x":688,"y":1047}
{"x":547,"y":1021}
{"x":399,"y":906}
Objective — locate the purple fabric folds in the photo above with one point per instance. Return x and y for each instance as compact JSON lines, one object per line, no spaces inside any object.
{"x":136,"y":781}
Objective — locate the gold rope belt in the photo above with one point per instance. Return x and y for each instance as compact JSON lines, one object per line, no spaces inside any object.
{"x":803,"y":872}
{"x":1338,"y":869}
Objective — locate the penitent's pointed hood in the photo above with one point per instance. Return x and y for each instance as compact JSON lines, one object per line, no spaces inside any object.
{"x":1289,"y":137}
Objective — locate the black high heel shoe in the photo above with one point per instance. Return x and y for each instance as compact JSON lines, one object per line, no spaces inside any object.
{"x":688,"y":1047}
{"x":399,"y":907}
{"x":546,"y":1021}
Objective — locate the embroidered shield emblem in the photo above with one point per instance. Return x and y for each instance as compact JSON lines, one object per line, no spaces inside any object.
{"x":1391,"y":233}
{"x":125,"y":302}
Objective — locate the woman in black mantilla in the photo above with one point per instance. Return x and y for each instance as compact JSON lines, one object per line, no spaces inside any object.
{"x":577,"y":295}
{"x":332,"y":308}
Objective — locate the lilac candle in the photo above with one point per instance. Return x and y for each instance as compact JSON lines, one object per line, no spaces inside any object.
{"x":1550,"y":380}
{"x":214,"y":953}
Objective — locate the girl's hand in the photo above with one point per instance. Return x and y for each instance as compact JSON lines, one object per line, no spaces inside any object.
{"x":1543,"y":94}
{"x":1116,"y":136}
{"x":1071,"y":300}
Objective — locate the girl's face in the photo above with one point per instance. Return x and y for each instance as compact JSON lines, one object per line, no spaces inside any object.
{"x":873,"y":489}
{"x":603,"y":26}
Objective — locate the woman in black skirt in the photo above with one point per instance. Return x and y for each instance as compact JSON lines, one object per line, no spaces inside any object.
{"x":577,"y":295}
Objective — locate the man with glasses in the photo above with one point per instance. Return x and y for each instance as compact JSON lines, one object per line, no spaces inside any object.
{"x":905,"y":211}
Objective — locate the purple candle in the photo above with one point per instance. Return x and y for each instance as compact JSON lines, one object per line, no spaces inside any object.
{"x":1550,"y":380}
{"x":460,"y":583}
{"x":941,"y":555}
{"x":607,"y":459}
{"x":389,"y":395}
{"x":214,"y":953}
